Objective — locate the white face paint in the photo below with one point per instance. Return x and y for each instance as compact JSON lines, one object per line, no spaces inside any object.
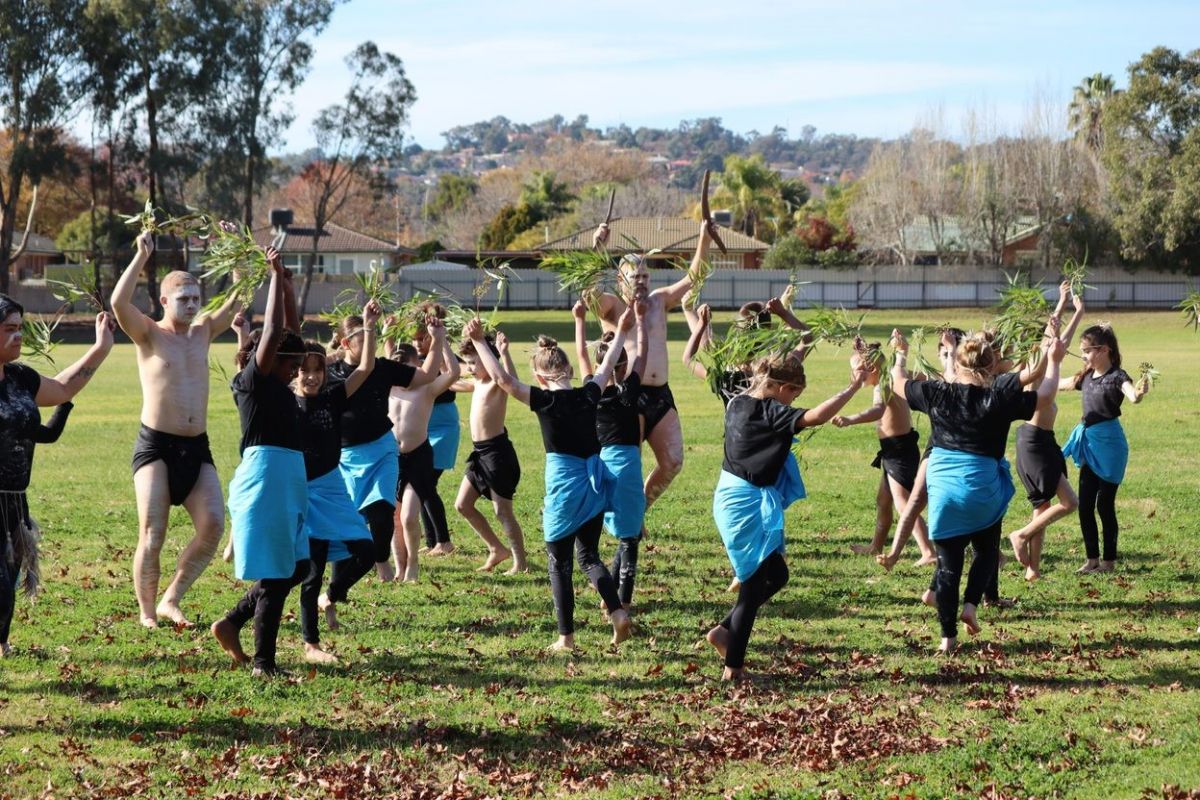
{"x":10,"y":338}
{"x":183,"y":304}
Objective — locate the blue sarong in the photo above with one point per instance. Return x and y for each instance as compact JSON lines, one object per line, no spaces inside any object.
{"x":967,"y":492}
{"x":574,"y":494}
{"x":750,"y":518}
{"x":331,"y":513}
{"x":444,"y":430}
{"x":625,"y":498}
{"x":371,"y":471}
{"x":1102,"y":447}
{"x":268,"y":499}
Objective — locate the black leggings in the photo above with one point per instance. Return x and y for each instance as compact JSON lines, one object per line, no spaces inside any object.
{"x":380,"y":519}
{"x":433,"y":515}
{"x":1097,"y":494}
{"x":8,"y":591}
{"x":769,"y":578}
{"x":361,"y":550}
{"x":559,"y":560}
{"x":264,"y":602}
{"x":624,"y":567}
{"x":951,"y":553}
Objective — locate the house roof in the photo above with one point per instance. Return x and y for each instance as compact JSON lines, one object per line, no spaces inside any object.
{"x":38,"y":244}
{"x":669,"y":234}
{"x":956,"y":238}
{"x":333,"y":239}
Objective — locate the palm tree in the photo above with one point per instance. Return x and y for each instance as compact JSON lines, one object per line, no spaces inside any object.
{"x":1085,"y":113}
{"x":751,"y":190}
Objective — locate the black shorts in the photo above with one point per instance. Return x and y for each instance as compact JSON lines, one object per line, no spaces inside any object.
{"x":183,"y":455}
{"x":899,"y":457}
{"x":1040,"y":463}
{"x":493,"y":469}
{"x":654,"y":403}
{"x":416,"y":470}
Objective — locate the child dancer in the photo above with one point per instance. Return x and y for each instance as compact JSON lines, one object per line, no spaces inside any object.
{"x":759,"y":480}
{"x":410,"y":410}
{"x":573,"y":511}
{"x":444,"y":431}
{"x":333,"y":524}
{"x":1041,"y":464}
{"x":899,"y":455}
{"x":493,"y":470}
{"x":619,"y":429}
{"x":268,"y":496}
{"x":1097,"y":444}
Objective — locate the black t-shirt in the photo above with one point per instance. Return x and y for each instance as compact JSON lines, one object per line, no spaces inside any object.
{"x":1102,"y":396}
{"x":448,"y":396}
{"x":267,"y":409}
{"x":366,"y":416}
{"x":617,"y":418}
{"x":568,"y":419}
{"x":758,"y":436}
{"x":321,"y":429}
{"x":730,"y":384}
{"x":972,"y":419}
{"x":19,"y":421}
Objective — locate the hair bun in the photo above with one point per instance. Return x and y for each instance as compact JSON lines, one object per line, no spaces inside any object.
{"x":608,"y":336}
{"x":546,"y":341}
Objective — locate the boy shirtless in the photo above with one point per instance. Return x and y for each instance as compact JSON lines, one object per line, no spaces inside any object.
{"x":410,"y":410}
{"x":172,"y":463}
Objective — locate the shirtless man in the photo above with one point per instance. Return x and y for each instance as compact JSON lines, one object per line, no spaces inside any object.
{"x":662,"y":430}
{"x":172,"y":464}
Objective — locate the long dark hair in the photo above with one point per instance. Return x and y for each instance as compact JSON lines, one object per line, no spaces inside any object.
{"x":1101,"y":335}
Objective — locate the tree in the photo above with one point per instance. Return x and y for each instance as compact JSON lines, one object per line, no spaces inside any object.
{"x":453,"y":192}
{"x":885,"y":204}
{"x":268,"y":57}
{"x":504,"y":227}
{"x":751,"y":190}
{"x":546,"y":195}
{"x":355,"y":138}
{"x":1086,"y":111}
{"x":1151,"y":151}
{"x":789,"y":253}
{"x":39,"y":90}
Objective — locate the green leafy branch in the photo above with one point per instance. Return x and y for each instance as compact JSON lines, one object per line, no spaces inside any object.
{"x":232,"y":253}
{"x":1075,"y":273}
{"x":1147,"y":374}
{"x":1191,"y":309}
{"x":37,"y":342}
{"x":1020,"y":322}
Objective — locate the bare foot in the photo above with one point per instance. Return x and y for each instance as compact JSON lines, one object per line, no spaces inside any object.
{"x":441,"y":549}
{"x":494,"y":559}
{"x":330,"y":609}
{"x":926,"y":560}
{"x":887,"y":561}
{"x":734,"y":585}
{"x":227,"y":636}
{"x":929,"y":598}
{"x":1088,"y":567}
{"x":1106,"y":566}
{"x":517,"y":569}
{"x":866,"y":549}
{"x":564,"y":644}
{"x":227,"y":553}
{"x":1032,"y":574}
{"x":969,"y":619}
{"x":735,"y":675}
{"x":149,"y":622}
{"x":170,"y":610}
{"x":622,"y":625}
{"x":313,"y":654}
{"x":1019,"y":547}
{"x":385,"y":571}
{"x":947,"y":647}
{"x":718,"y":637}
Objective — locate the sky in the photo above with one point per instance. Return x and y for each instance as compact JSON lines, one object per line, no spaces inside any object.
{"x":867,"y":67}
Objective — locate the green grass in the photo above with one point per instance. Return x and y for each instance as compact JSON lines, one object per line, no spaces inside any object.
{"x":1087,"y":688}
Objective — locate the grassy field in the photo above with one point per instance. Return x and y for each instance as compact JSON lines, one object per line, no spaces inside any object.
{"x":1087,"y":688}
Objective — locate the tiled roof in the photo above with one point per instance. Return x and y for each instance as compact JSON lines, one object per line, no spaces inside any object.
{"x":956,"y":238}
{"x":333,"y":239}
{"x":669,"y":234}
{"x":38,"y":244}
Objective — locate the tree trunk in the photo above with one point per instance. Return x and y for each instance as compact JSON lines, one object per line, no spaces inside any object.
{"x":309,"y":268}
{"x":8,"y":220}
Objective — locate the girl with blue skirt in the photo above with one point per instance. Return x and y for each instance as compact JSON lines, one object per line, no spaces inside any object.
{"x":268,"y":496}
{"x":333,"y":525}
{"x":759,"y":480}
{"x":1097,"y":444}
{"x":967,"y":478}
{"x":369,"y":465}
{"x":619,"y":428}
{"x":573,"y":510}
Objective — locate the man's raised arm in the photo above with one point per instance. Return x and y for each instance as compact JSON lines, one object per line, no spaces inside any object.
{"x":674,"y":294}
{"x":131,"y":319}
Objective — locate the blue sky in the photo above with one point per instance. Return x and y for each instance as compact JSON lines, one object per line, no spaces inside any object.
{"x":869,"y":67}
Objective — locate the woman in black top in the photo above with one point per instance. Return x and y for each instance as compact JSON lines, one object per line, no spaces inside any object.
{"x":268,"y":496}
{"x":22,"y":390}
{"x":573,"y":510}
{"x":369,"y":462}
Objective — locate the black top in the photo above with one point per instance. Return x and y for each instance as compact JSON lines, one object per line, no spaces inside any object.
{"x":1102,"y":396}
{"x":49,"y":433}
{"x":448,"y":396}
{"x":19,"y":421}
{"x":267,"y":409}
{"x":568,"y":419}
{"x":973,"y":419}
{"x":758,"y":436}
{"x":366,"y":416}
{"x":730,"y":384}
{"x":617,"y":418}
{"x":321,"y":429}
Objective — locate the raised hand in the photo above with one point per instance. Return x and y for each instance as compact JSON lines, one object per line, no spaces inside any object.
{"x":145,"y":243}
{"x":105,"y":325}
{"x":473,"y":330}
{"x":788,"y":295}
{"x":371,"y":313}
{"x":899,"y":343}
{"x":436,"y":328}
{"x":501,"y":343}
{"x":626,"y":321}
{"x":579,"y":310}
{"x":600,"y":237}
{"x":1058,"y":349}
{"x":275,"y":259}
{"x":775,"y":306}
{"x":704,"y":312}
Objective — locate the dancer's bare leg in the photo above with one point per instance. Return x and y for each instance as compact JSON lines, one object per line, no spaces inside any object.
{"x":883,"y":520}
{"x":512,"y":530}
{"x":206,"y":507}
{"x":1046,"y":514}
{"x":911,"y":512}
{"x":465,"y":505}
{"x":154,"y":510}
{"x":410,"y":518}
{"x":920,"y":532}
{"x":1034,"y":570}
{"x":666,"y":441}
